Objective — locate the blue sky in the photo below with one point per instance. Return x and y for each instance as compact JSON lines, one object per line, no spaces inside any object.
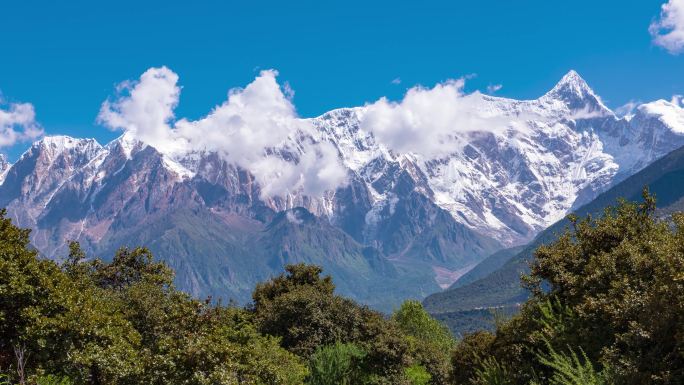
{"x":66,"y":57}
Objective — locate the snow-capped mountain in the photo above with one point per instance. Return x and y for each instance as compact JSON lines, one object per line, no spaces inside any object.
{"x":510,"y":184}
{"x":405,"y":223}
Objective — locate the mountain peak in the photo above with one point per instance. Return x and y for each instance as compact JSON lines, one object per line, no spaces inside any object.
{"x":63,"y":142}
{"x":572,"y":83}
{"x":572,"y":76}
{"x":55,"y":145}
{"x":574,"y":91}
{"x":127,"y":144}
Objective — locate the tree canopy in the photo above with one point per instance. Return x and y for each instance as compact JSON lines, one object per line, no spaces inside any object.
{"x":607,"y":307}
{"x":89,"y":321}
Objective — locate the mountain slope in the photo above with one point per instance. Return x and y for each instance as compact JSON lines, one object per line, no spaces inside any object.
{"x":501,"y":288}
{"x":489,"y":265}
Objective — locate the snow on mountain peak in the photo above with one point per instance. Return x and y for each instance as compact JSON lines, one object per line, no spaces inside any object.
{"x":127,"y":144}
{"x":63,"y":142}
{"x":553,"y":153}
{"x":576,"y":94}
{"x":56,"y":145}
{"x":572,"y":83}
{"x":669,"y":112}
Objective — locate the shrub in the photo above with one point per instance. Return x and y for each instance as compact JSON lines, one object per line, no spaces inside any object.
{"x":337,"y":364}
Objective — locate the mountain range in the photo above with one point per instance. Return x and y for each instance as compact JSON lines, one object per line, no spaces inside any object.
{"x":405,"y":224}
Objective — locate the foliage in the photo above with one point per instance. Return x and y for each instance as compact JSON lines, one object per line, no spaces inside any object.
{"x":467,"y":356}
{"x":607,"y":306}
{"x":417,"y":375}
{"x":416,"y":322}
{"x":300,"y":307}
{"x":570,"y":369}
{"x":88,"y":321}
{"x":123,"y":322}
{"x":337,"y":364}
{"x":491,"y":372}
{"x":430,"y":341}
{"x":556,"y":322}
{"x":620,"y":275}
{"x":51,"y":379}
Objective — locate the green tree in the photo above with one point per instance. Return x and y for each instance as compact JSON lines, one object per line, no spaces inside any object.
{"x":467,"y":356}
{"x":91,"y":322}
{"x":186,"y":340}
{"x":25,"y":283}
{"x":491,"y":372}
{"x":572,"y":369}
{"x":51,"y":379}
{"x":337,"y":364}
{"x":300,"y":307}
{"x":431,"y":342}
{"x":130,"y":267}
{"x":607,"y":298}
{"x":415,"y":321}
{"x":65,"y":325}
{"x":621,"y":275}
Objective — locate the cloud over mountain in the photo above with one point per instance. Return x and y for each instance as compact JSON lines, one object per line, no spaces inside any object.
{"x":145,"y":108}
{"x":249,"y":129}
{"x":258,"y":129}
{"x":434,"y":122}
{"x":18,"y":123}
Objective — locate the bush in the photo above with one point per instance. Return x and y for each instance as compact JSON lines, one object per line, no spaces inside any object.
{"x":337,"y":364}
{"x":417,"y":375}
{"x":51,"y":379}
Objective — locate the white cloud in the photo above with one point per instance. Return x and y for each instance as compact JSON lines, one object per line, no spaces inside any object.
{"x":492,"y":88}
{"x":293,"y":218}
{"x":18,"y":123}
{"x":586,"y":113}
{"x":396,"y":81}
{"x":252,"y":120}
{"x":433,"y":122}
{"x":627,"y":109}
{"x":250,"y":129}
{"x":668,"y":30}
{"x":145,"y":108}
